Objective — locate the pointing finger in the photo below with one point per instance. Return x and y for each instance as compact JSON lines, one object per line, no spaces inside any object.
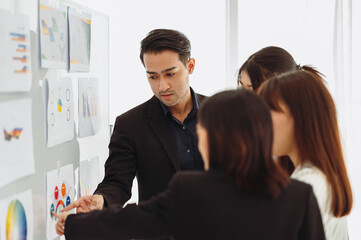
{"x":71,"y":206}
{"x":55,"y":214}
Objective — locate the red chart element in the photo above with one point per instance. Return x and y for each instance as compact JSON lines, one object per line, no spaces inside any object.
{"x":56,"y":193}
{"x":60,"y":203}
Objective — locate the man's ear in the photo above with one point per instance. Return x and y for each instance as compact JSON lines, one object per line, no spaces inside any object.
{"x":190,"y":65}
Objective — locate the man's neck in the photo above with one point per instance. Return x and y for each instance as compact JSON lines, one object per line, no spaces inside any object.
{"x":182,"y":109}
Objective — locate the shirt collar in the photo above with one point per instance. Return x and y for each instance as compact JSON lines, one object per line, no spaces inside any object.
{"x":194,"y":108}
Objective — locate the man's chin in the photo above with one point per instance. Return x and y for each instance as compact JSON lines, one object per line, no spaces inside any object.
{"x":168,"y":103}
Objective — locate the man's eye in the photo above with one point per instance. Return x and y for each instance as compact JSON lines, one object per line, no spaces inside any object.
{"x":152,"y":77}
{"x":170,"y":74}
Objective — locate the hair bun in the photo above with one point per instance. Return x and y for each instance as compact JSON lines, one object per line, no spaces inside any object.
{"x":299,"y":67}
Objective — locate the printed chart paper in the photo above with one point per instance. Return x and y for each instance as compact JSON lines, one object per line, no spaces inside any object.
{"x":15,"y":67}
{"x":59,"y":193}
{"x":16,"y":141}
{"x":17,"y":217}
{"x":53,"y":30}
{"x":89,"y":176}
{"x":60,"y":110}
{"x":88,"y":107}
{"x":79,"y":40}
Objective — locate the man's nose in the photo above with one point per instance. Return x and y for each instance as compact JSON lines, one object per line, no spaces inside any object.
{"x":163,"y":84}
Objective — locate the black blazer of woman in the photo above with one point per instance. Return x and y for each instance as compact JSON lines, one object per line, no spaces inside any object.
{"x":206,"y":205}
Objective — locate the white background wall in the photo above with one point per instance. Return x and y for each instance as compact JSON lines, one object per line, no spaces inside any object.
{"x":317,"y":32}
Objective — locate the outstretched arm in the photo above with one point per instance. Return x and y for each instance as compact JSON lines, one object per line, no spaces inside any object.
{"x":86,"y":204}
{"x":152,"y":218}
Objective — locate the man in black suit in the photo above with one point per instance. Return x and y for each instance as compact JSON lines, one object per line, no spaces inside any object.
{"x":157,"y":138}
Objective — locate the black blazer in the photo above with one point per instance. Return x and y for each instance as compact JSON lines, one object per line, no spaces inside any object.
{"x":206,"y":205}
{"x":141,"y":145}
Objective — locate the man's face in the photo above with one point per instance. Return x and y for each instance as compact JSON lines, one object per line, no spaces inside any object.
{"x":168,"y":77}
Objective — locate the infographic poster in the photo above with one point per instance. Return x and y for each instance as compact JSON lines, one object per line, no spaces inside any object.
{"x":59,"y":110}
{"x":16,"y":217}
{"x":53,"y":30}
{"x":89,"y":176}
{"x":59,"y":193}
{"x":15,"y":66}
{"x":88,"y":107}
{"x":16,"y":141}
{"x":79,"y":40}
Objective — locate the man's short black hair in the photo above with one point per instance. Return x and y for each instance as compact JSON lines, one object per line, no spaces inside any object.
{"x":159,"y":40}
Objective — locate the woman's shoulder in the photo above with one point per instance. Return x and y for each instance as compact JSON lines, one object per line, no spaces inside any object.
{"x":310,"y":174}
{"x":298,"y":188}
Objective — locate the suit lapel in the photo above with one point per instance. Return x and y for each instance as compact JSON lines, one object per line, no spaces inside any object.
{"x":161,"y":129}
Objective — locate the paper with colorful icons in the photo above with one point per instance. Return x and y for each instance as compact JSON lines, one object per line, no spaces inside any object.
{"x":59,"y":193}
{"x":16,"y":141}
{"x":53,"y":34}
{"x":16,"y":217}
{"x":59,"y":110}
{"x":79,"y":40}
{"x":15,"y":66}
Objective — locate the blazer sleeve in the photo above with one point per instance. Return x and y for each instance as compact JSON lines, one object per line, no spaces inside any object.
{"x":312,"y":227}
{"x":120,"y":167}
{"x":150,"y":219}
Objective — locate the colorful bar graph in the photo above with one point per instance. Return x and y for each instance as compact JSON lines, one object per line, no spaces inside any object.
{"x":18,"y":37}
{"x":24,"y":70}
{"x":90,"y":107}
{"x":23,"y":59}
{"x":22,"y":48}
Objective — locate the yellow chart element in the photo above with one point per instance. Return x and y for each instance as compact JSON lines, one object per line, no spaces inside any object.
{"x":88,"y":21}
{"x":45,"y":28}
{"x":60,"y":105}
{"x":74,"y":61}
{"x":45,"y":7}
{"x":86,"y":190}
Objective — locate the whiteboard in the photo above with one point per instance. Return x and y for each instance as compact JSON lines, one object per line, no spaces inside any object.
{"x":71,"y":152}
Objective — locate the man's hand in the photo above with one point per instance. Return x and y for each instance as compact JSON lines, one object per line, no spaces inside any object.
{"x":86,"y":204}
{"x":59,"y":227}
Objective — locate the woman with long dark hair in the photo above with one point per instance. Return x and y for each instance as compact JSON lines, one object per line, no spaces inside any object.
{"x":243,"y":194}
{"x":305,"y":125}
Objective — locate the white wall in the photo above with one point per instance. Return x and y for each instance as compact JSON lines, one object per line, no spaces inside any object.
{"x":304,"y":28}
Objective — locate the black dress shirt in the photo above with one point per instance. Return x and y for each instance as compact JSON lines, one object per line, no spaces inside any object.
{"x":185,"y":136}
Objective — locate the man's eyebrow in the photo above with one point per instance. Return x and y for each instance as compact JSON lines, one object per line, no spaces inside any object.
{"x":166,"y":70}
{"x":169,"y":69}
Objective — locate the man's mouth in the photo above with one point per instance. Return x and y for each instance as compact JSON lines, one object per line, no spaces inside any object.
{"x":166,"y":95}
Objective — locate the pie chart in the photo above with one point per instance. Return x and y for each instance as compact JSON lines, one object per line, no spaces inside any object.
{"x":16,"y":227}
{"x":60,"y":105}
